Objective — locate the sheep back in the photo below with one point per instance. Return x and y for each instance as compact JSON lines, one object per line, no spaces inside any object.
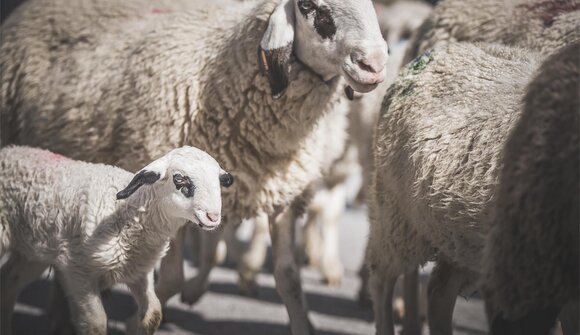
{"x":46,"y":199}
{"x":540,"y":25}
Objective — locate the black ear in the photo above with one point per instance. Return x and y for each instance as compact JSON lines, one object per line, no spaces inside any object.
{"x":140,"y":179}
{"x":275,"y":64}
{"x":276,"y":47}
{"x":226,"y":179}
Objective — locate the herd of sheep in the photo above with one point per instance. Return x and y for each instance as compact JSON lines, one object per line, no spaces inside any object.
{"x":465,"y":128}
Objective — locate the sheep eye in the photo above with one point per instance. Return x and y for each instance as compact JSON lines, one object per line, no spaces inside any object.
{"x":184,"y":185}
{"x":306,"y":6}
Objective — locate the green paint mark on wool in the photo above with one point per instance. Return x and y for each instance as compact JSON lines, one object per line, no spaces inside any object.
{"x":420,"y":63}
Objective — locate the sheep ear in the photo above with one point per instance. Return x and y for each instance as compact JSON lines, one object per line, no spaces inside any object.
{"x":226,"y":179}
{"x":276,"y":47}
{"x":142,"y":178}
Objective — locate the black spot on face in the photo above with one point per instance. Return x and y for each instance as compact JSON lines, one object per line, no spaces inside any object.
{"x":184,"y":184}
{"x":323,"y":21}
{"x":324,"y":24}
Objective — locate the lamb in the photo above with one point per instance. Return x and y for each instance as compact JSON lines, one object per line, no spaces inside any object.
{"x":536,"y":208}
{"x":437,"y":155}
{"x":58,"y":212}
{"x":141,"y":78}
{"x":542,"y":25}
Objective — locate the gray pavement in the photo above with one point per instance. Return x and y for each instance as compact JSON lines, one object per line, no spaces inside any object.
{"x":334,"y":310}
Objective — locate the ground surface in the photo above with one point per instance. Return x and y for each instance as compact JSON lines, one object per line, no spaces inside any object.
{"x":334,"y":310}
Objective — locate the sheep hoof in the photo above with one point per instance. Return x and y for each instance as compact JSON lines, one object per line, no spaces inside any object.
{"x":332,"y":272}
{"x":248,"y":288}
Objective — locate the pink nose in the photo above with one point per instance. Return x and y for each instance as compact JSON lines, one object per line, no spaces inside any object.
{"x":213,"y":217}
{"x":373,"y":62}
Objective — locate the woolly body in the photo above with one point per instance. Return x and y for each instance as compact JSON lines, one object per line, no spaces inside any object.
{"x":96,"y":92}
{"x":541,"y":25}
{"x":536,"y":206}
{"x":438,"y":145}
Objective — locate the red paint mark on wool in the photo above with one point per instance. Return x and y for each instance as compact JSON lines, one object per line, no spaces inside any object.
{"x":549,"y":10}
{"x":156,"y":10}
{"x":56,"y":157}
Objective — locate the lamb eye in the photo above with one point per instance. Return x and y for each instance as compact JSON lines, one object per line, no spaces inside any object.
{"x":184,"y":185}
{"x":179,"y":181}
{"x":306,"y":6}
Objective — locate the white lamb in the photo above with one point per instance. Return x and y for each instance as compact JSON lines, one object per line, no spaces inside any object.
{"x":59,"y":212}
{"x":122,"y":81}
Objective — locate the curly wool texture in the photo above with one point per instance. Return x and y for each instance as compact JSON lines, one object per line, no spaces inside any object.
{"x":536,"y":211}
{"x":123,"y":82}
{"x":540,"y":25}
{"x":438,"y":152}
{"x":58,"y":211}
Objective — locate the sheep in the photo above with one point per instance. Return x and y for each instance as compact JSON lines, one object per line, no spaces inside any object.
{"x":330,"y":194}
{"x":58,"y":212}
{"x":400,"y":19}
{"x":535,"y":212}
{"x":437,"y":154}
{"x":542,"y":25}
{"x":323,"y":252}
{"x":140,"y":78}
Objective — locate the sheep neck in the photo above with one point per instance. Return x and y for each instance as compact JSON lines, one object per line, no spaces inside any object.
{"x":133,"y":239}
{"x":250,"y":118}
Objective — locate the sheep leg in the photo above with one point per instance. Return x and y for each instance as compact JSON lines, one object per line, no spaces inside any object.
{"x":286,"y":271}
{"x":59,"y":313}
{"x":381,"y":289}
{"x":170,"y":278}
{"x":16,"y":273}
{"x":86,"y":307}
{"x":411,"y":323}
{"x":569,"y":318}
{"x":444,"y":285}
{"x":194,"y":288}
{"x":253,"y":259}
{"x":330,"y":264}
{"x":312,"y":238}
{"x":148,"y":316}
{"x":364,"y":298}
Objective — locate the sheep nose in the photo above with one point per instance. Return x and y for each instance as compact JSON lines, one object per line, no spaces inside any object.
{"x":373,"y":62}
{"x":213,"y":217}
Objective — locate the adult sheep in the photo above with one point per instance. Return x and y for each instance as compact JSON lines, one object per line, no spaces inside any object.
{"x":542,"y":25}
{"x":535,"y":213}
{"x":437,"y":153}
{"x":120,"y":82}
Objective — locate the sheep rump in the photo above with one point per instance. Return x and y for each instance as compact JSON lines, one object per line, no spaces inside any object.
{"x":537,"y":206}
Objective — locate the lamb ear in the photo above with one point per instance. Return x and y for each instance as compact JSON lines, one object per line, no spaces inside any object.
{"x":140,"y":179}
{"x":276,"y":47}
{"x":226,"y":179}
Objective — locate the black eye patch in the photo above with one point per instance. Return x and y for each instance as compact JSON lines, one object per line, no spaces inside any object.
{"x":184,"y":184}
{"x":323,"y":23}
